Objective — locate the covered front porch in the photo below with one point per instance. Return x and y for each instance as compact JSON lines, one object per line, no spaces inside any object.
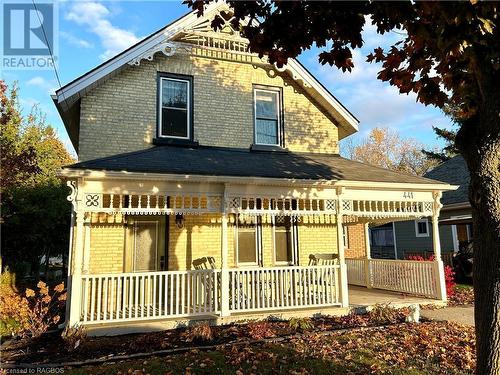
{"x":262,"y":248}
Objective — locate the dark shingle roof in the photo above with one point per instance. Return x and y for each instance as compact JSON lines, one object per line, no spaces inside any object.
{"x":213,"y":161}
{"x":454,"y":172}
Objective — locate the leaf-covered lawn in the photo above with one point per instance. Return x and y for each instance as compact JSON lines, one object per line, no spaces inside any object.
{"x":463,"y":295}
{"x":432,"y":347}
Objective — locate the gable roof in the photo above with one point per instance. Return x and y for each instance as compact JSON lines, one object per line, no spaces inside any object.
{"x":67,"y":98}
{"x":230,"y":162}
{"x":454,"y":172}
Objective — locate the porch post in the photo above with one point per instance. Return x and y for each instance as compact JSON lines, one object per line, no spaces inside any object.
{"x":368,"y":279}
{"x":224,"y":295}
{"x":367,"y":242}
{"x":344,"y":296}
{"x":75,"y":294}
{"x":436,"y":244}
{"x":86,"y":248}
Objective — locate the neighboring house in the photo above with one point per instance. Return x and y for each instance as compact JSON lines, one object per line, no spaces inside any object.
{"x":455,"y":229}
{"x":209,"y":185}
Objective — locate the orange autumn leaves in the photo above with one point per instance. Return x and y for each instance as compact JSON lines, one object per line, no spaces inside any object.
{"x":33,"y":312}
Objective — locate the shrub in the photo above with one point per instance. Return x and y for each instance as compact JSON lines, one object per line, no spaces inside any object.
{"x":13,"y":307}
{"x":7,"y":281}
{"x":32,"y":313}
{"x":449,"y":278}
{"x":301,"y":324}
{"x":199,"y":333}
{"x":385,"y":314}
{"x":44,"y":307}
{"x":13,"y":313}
{"x":353,"y":320}
{"x":260,"y":330}
{"x":74,"y":336}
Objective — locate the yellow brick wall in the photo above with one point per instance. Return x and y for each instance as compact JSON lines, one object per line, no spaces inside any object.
{"x":356,"y":241}
{"x":107,"y":244}
{"x":316,"y":236}
{"x":120,"y":115}
{"x":201,"y":237}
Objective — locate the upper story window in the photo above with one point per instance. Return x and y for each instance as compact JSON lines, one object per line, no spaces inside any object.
{"x":268,"y":116}
{"x":176,"y":109}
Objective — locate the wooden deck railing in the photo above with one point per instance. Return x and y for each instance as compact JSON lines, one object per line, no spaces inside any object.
{"x":174,"y":294}
{"x":283,"y":287}
{"x":149,"y":295}
{"x":406,"y":276}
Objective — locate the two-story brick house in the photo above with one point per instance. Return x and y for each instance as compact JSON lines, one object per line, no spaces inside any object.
{"x":209,"y":184}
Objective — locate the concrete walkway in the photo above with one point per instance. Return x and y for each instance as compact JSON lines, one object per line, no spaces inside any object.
{"x":360,"y":296}
{"x":462,"y":314}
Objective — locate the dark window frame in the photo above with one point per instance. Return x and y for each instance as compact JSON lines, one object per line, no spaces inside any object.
{"x":281,"y":114}
{"x":424,"y":221}
{"x":190,"y":103}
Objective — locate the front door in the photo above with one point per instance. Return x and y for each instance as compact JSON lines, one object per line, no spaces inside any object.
{"x":145,"y":246}
{"x":146,"y":243}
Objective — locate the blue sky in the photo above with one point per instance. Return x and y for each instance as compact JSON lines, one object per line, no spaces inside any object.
{"x":91,"y":32}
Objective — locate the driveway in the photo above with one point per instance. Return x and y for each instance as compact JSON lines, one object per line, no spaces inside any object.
{"x":462,"y":314}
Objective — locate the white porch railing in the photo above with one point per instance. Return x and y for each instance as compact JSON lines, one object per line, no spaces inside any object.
{"x":175,"y":294}
{"x":406,"y":276}
{"x":149,"y":295}
{"x":356,"y":271}
{"x":283,"y":288}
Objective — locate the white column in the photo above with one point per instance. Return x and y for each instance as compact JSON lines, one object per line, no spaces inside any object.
{"x":368,"y":278}
{"x":75,"y":296}
{"x":86,"y":248}
{"x":367,"y":242}
{"x":224,"y":296}
{"x":439,"y":266}
{"x":436,"y":245}
{"x":344,"y":294}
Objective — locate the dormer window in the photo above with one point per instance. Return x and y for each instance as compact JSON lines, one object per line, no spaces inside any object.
{"x":175,"y":106}
{"x":267,"y":103}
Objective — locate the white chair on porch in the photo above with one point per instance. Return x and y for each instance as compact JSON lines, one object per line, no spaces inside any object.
{"x":325,"y":260}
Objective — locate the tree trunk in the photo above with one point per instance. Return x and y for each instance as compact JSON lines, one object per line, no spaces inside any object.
{"x":479,"y":143}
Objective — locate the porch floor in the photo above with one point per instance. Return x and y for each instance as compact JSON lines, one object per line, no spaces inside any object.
{"x":360,"y":296}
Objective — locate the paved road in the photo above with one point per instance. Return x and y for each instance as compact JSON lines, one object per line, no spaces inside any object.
{"x":462,"y":315}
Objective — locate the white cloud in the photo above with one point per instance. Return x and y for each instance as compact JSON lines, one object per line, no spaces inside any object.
{"x":75,"y":41}
{"x":96,"y":16}
{"x":43,"y":84}
{"x":372,"y":39}
{"x":28,"y":104}
{"x":376,"y":103}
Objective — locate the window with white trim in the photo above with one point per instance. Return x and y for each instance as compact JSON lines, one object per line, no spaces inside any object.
{"x":422,"y":228}
{"x":248,"y":241}
{"x":267,"y":116}
{"x":345,"y":236}
{"x":285,"y":241}
{"x":175,"y":107}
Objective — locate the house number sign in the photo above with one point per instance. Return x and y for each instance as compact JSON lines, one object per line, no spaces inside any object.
{"x":408,"y":195}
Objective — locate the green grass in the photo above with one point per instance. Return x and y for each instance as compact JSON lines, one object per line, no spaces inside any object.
{"x":409,"y":349}
{"x":269,"y":359}
{"x":464,"y":286}
{"x":216,"y":363}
